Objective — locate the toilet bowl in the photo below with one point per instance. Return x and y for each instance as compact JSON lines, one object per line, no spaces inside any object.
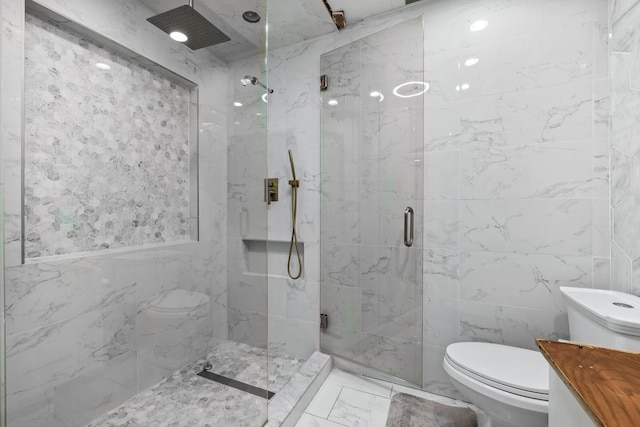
{"x":511,"y":385}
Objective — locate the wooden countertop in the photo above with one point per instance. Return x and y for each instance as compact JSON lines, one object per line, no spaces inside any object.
{"x":606,"y":382}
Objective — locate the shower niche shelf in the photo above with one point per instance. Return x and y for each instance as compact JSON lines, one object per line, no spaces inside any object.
{"x":274,"y":264}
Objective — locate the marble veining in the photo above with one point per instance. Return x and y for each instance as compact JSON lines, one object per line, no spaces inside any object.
{"x":285,"y":404}
{"x":185,"y":399}
{"x":625,"y":152}
{"x":107,"y":150}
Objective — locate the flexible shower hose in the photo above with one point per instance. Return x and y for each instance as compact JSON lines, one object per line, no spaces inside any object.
{"x":294,"y":213}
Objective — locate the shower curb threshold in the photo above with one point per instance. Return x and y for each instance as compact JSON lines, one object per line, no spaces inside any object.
{"x":288,"y":405}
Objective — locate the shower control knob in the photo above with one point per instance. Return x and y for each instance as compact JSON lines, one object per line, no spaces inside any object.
{"x":207,"y":366}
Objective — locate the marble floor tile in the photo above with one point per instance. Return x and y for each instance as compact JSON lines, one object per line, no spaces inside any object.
{"x":185,"y":399}
{"x":308,"y":420}
{"x":349,"y":400}
{"x":365,"y":384}
{"x":254,"y":366}
{"x":356,"y":408}
{"x":323,"y":401}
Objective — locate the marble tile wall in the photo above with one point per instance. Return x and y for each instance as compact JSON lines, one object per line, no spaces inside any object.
{"x":88,"y":325}
{"x":246,"y":208}
{"x":516,"y":161}
{"x":258,"y":141}
{"x":2,"y":285}
{"x":625,"y":151}
{"x":124,"y":180}
{"x":516,"y":152}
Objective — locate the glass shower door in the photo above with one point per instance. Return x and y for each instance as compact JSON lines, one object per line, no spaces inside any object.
{"x":372,"y":191}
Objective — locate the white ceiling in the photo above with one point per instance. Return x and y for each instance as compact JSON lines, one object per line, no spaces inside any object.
{"x":290,"y":21}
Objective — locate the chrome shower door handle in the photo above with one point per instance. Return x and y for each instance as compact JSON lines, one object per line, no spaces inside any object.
{"x":408,"y":226}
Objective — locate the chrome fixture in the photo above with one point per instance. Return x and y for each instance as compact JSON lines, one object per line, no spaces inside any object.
{"x":254,"y":81}
{"x":294,"y":183}
{"x":408,"y":226}
{"x":186,"y":25}
{"x":251,"y":16}
{"x":270,"y":190}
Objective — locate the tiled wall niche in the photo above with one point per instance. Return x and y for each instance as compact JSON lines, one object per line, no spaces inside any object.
{"x":110,"y":147}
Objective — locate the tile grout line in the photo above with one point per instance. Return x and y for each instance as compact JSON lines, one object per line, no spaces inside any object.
{"x":334,"y":403}
{"x":368,"y":392}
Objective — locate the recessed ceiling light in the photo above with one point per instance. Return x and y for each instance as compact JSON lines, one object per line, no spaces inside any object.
{"x":103,"y":66}
{"x":464,"y":86}
{"x":258,"y":114}
{"x":237,"y":104}
{"x":264,"y":97}
{"x":414,"y":89}
{"x":178,"y":36}
{"x":471,"y":61}
{"x":480,"y":24}
{"x":332,"y":102}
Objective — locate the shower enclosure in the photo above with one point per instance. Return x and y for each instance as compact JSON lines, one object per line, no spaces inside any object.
{"x":372,"y":197}
{"x":135,"y":226}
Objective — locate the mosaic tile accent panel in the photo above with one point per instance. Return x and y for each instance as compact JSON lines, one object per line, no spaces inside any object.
{"x":106,"y":150}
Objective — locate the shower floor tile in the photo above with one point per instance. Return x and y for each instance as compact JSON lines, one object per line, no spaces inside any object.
{"x":185,"y":399}
{"x":250,"y":368}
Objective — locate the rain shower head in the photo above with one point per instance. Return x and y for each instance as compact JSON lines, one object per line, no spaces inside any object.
{"x":186,"y":20}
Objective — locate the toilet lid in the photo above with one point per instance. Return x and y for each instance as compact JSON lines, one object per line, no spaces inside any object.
{"x":178,"y":301}
{"x":515,"y":370}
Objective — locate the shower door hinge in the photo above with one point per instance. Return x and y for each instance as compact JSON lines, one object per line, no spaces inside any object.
{"x":324,"y":82}
{"x":324,"y":321}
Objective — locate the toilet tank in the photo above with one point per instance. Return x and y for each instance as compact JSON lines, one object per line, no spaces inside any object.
{"x":603,"y":318}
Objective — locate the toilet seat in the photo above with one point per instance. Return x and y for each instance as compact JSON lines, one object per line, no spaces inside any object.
{"x":512,"y":370}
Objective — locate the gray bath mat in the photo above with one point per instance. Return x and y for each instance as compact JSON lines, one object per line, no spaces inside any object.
{"x":411,"y":411}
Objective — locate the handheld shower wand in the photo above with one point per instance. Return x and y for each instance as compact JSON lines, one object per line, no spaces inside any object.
{"x":294,"y":183}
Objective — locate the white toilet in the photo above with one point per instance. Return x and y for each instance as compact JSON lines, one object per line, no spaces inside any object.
{"x":511,"y":385}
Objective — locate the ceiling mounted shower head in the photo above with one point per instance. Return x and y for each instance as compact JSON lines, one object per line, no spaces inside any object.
{"x":185,"y":19}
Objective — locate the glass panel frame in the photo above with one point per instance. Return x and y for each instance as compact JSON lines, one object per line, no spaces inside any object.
{"x":372,"y":170}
